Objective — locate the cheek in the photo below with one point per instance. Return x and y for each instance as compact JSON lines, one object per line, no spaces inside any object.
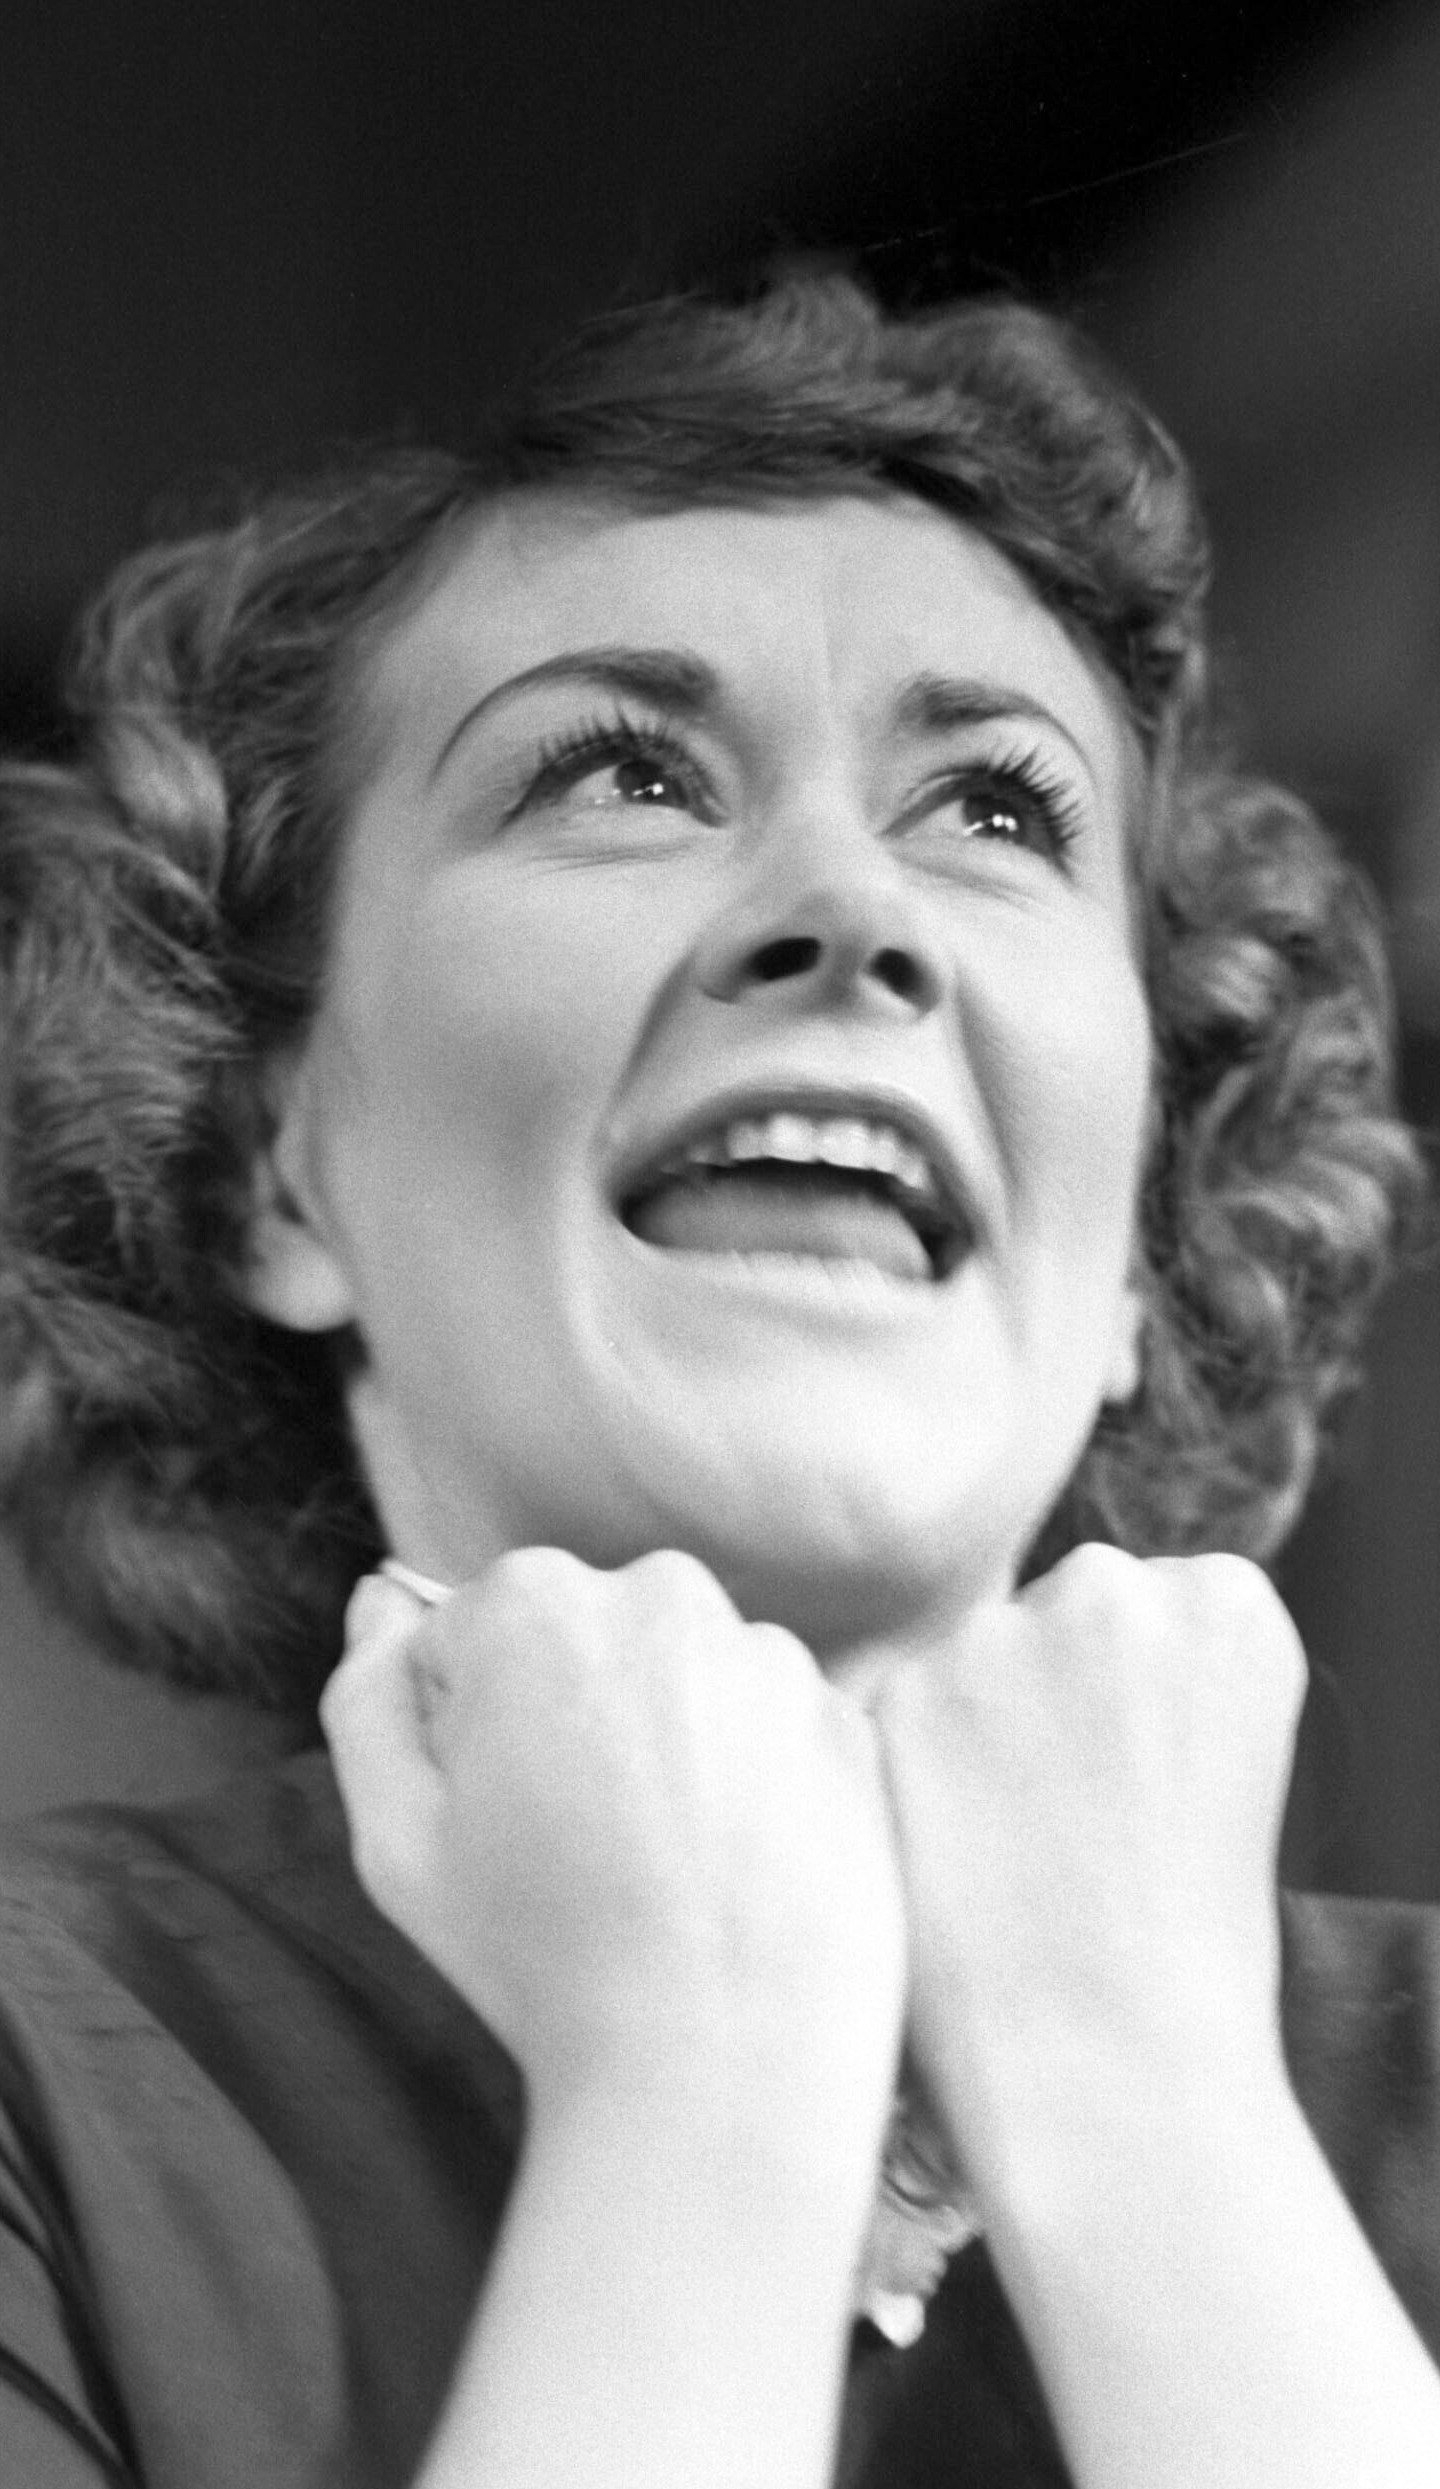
{"x":491,"y":1006}
{"x":1079,"y":1079}
{"x":506,"y":1028}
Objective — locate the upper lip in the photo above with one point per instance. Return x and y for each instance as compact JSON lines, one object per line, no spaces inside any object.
{"x":663,"y":1141}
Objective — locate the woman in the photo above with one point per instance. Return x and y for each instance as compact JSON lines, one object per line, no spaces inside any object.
{"x":684,"y":1027}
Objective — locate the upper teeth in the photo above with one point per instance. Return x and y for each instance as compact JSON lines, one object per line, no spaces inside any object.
{"x":814,"y":1140}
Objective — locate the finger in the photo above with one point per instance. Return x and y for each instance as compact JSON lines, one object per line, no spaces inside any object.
{"x":397,"y":1600}
{"x":781,"y":1655}
{"x":668,"y":1579}
{"x":373,"y":1713}
{"x":383,"y":1604}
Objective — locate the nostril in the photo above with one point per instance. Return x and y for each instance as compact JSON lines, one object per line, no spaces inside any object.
{"x":901,"y":973}
{"x":790,"y":955}
{"x":837,"y":963}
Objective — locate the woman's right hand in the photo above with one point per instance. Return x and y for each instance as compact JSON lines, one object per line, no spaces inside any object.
{"x":651,"y":1847}
{"x":642,"y":1837}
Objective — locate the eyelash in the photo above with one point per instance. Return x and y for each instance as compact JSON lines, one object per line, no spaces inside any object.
{"x":561,"y":762}
{"x":1020,"y":769}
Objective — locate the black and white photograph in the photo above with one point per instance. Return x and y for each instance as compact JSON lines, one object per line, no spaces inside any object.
{"x":720,"y":1245}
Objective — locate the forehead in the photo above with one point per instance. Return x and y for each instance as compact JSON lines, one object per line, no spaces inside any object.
{"x":847,"y":595}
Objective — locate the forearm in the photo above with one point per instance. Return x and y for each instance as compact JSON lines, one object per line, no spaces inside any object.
{"x":1202,"y":2306}
{"x":670,"y":2301}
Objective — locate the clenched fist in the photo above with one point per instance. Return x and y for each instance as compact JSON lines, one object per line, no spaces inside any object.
{"x":638,"y":1834}
{"x":1087,"y":1788}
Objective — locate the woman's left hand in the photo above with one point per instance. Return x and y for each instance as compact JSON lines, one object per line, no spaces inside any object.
{"x":1088,"y":1787}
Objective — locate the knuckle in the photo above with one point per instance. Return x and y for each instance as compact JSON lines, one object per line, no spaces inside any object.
{"x":671,"y":1576}
{"x":1236,"y":1607}
{"x":1239,"y":1598}
{"x":518,"y":1591}
{"x":1232,"y":1582}
{"x":780,"y":1648}
{"x":1092,"y":1579}
{"x":782,"y":1661}
{"x":1098,"y":1565}
{"x":533,"y":1571}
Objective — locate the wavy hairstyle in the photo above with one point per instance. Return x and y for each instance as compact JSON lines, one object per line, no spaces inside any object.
{"x":178,"y":1471}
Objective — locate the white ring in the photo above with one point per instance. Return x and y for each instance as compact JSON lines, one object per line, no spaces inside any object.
{"x":421,"y":1586}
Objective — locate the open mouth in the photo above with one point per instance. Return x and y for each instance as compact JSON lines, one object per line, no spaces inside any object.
{"x":837,"y":1188}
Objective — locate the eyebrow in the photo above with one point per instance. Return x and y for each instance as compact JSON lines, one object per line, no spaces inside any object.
{"x":680,"y":682}
{"x":936,"y":704}
{"x":673,"y":679}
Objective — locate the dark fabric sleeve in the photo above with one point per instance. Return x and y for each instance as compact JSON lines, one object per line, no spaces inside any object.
{"x":51,"y":2435}
{"x":1362,"y":2027}
{"x":44,"y":2445}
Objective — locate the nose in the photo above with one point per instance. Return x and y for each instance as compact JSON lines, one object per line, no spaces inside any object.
{"x":851,"y":941}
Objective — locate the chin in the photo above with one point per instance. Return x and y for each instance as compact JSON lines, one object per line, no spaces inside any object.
{"x":844,"y":1562}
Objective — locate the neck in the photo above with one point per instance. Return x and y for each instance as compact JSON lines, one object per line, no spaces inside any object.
{"x":862,"y":1665}
{"x":862,"y":1629}
{"x":860,"y":1620}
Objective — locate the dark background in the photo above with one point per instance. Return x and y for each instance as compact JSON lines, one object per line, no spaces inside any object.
{"x":230,"y":235}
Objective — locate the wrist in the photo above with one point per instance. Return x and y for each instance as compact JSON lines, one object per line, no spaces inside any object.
{"x":1201,"y":2305}
{"x":682,"y":2238}
{"x":1021,"y":2102}
{"x":751,"y":2149}
{"x":1097,"y":2157}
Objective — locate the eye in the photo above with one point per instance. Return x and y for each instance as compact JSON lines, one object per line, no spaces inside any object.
{"x":641,"y":782}
{"x":616,"y":764}
{"x":1015,"y":801}
{"x":623,"y":779}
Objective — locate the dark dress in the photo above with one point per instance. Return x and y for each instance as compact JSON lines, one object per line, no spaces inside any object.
{"x":254,"y":2153}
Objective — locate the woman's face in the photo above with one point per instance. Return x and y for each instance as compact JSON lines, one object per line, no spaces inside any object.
{"x":723,"y":1121}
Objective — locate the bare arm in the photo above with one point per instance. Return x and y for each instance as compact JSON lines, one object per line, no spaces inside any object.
{"x":670,"y":2303}
{"x":1199,"y":2258}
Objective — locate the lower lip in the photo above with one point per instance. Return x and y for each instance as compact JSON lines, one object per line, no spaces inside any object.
{"x":853,"y":1291}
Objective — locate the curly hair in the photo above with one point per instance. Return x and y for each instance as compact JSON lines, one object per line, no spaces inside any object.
{"x":178,"y":1471}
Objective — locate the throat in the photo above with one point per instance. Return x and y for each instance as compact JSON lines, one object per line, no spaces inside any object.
{"x":821,"y":1213}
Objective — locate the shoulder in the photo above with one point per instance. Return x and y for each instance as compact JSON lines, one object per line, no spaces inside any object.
{"x":132,"y":2177}
{"x":135,"y":1942}
{"x":224,"y":1953}
{"x":227,"y":1910}
{"x":93,"y":1889}
{"x":247,"y":2136}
